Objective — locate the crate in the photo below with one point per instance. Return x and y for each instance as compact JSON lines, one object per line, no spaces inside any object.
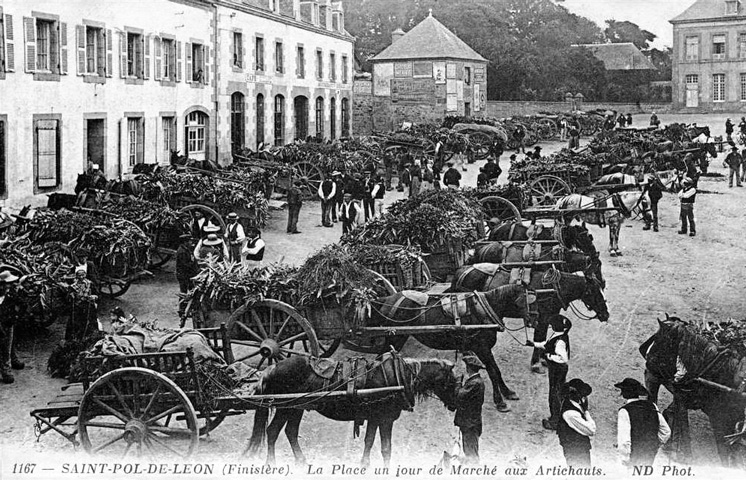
{"x":401,"y":279}
{"x":329,"y":318}
{"x":444,"y":261}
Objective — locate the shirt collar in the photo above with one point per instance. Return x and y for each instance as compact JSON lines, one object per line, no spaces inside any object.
{"x":630,"y":400}
{"x":472,"y":376}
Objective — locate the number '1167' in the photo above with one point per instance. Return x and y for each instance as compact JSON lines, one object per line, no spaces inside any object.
{"x":24,"y":467}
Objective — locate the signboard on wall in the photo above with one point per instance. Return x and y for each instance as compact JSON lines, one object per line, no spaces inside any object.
{"x":412,"y":90}
{"x":382,"y":75}
{"x":362,"y":87}
{"x":451,"y":70}
{"x":439,"y":72}
{"x":403,"y":69}
{"x":460,"y":90}
{"x":423,"y":70}
{"x":477,"y":105}
{"x":479,"y":74}
{"x":451,"y":103}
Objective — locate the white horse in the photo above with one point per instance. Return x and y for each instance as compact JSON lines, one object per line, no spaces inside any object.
{"x":625,"y":203}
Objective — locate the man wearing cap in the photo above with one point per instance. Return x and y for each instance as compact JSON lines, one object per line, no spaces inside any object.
{"x":492,"y":169}
{"x":339,"y":183}
{"x":327,"y":191}
{"x":687,"y":195}
{"x":295,"y":202}
{"x":452,"y":177}
{"x":254,"y":249}
{"x":654,"y":187}
{"x":348,"y":213}
{"x":537,"y":153}
{"x":186,"y":269}
{"x":234,"y":237}
{"x":557,"y":354}
{"x":576,"y":426}
{"x":469,"y":401}
{"x":729,"y":131}
{"x":9,"y":311}
{"x":641,"y":428}
{"x":212,"y":246}
{"x":734,"y":161}
{"x":654,"y":121}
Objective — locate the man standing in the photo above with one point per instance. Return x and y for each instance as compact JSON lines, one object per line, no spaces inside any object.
{"x":452,"y":177}
{"x":687,"y":195}
{"x":654,"y":121}
{"x":655,"y":193}
{"x":234,"y":237}
{"x":563,"y":129}
{"x":641,"y":428}
{"x":327,"y":190}
{"x":519,"y":135}
{"x":492,"y":169}
{"x":348,"y":213}
{"x":368,"y":202}
{"x":8,"y":316}
{"x":469,"y":401}
{"x":576,"y":426}
{"x":295,"y":202}
{"x":254,"y":249}
{"x":728,"y":131}
{"x":186,"y":269}
{"x":574,"y":137}
{"x":557,"y":354}
{"x":734,"y":161}
{"x":378,"y":194}
{"x":339,"y":195}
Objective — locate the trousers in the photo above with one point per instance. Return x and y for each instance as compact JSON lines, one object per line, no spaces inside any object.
{"x":687,"y":216}
{"x":734,"y":173}
{"x":576,"y":456}
{"x":293,"y":213}
{"x":470,"y":443}
{"x":557,"y":373}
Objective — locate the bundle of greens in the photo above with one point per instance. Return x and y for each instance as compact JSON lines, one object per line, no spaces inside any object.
{"x":149,"y":216}
{"x":730,"y":333}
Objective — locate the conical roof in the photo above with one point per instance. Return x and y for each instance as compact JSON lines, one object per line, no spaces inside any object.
{"x":429,"y":39}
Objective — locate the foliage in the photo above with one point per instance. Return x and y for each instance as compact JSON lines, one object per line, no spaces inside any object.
{"x":627,"y":32}
{"x":729,"y":333}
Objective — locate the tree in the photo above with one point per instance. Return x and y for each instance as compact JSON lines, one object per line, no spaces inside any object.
{"x":628,"y":32}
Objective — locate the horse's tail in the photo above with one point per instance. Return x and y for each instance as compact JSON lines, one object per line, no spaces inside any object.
{"x":258,"y":433}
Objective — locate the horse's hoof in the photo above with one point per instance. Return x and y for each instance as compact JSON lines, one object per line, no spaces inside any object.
{"x":538,"y":368}
{"x":502,"y":407}
{"x":511,"y":396}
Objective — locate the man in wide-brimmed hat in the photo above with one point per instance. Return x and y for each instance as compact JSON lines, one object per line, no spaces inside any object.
{"x":469,"y":401}
{"x":687,"y":195}
{"x":9,"y":311}
{"x":234,"y":237}
{"x":641,"y":429}
{"x":210,"y":247}
{"x":576,"y":426}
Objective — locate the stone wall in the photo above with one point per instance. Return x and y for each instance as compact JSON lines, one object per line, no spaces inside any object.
{"x":499,"y":109}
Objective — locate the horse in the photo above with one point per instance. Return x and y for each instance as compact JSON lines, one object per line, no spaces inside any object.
{"x":420,"y":378}
{"x":625,"y":204}
{"x":618,"y":178}
{"x":569,"y":236}
{"x":416,"y":309}
{"x":676,"y":343}
{"x":567,"y":287}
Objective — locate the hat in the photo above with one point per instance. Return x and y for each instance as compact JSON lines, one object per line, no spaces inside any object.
{"x":686,"y":181}
{"x":473,"y":361}
{"x":560,"y":323}
{"x":81,"y":268}
{"x":449,"y":163}
{"x":7,"y":277}
{"x":232,"y":216}
{"x":631,"y":388}
{"x":210,"y":228}
{"x":185,"y":236}
{"x":211,"y":240}
{"x":578,"y":386}
{"x":537,"y":148}
{"x":336,"y":172}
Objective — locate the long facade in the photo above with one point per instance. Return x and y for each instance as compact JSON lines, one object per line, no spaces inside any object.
{"x":119,"y":83}
{"x":709,"y":57}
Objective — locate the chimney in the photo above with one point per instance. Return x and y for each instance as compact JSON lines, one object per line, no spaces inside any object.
{"x":396,"y":35}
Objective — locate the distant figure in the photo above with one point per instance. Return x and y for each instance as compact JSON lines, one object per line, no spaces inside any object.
{"x":9,"y":312}
{"x":687,"y":196}
{"x":186,"y":269}
{"x":574,"y":137}
{"x":729,"y":131}
{"x":629,"y":119}
{"x":621,"y":120}
{"x":339,"y":182}
{"x":734,"y":161}
{"x":327,"y":191}
{"x":482,"y":179}
{"x":234,"y":237}
{"x":537,"y":153}
{"x":348,"y":213}
{"x":378,"y":194}
{"x":519,"y":135}
{"x":416,"y":180}
{"x":295,"y":202}
{"x":563,"y":129}
{"x":654,"y":121}
{"x":254,"y":248}
{"x":452,"y":177}
{"x":492,"y":169}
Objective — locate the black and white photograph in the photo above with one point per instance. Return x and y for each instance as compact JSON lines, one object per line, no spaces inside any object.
{"x":406,"y":239}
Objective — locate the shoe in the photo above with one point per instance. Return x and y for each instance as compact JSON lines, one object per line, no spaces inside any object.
{"x":17,"y":364}
{"x":548,"y":424}
{"x":693,"y":234}
{"x":618,"y":253}
{"x":612,"y":253}
{"x":655,"y":229}
{"x":681,"y":232}
{"x":293,"y":233}
{"x":8,"y":377}
{"x":646,"y":227}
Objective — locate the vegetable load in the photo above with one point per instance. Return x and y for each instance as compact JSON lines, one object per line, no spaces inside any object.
{"x":729,"y":333}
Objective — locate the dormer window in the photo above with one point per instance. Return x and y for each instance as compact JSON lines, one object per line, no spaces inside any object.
{"x":731,"y":7}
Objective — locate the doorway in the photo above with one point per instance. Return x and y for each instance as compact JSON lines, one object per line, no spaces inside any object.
{"x":95,"y":132}
{"x":300,"y":107}
{"x":467,"y":109}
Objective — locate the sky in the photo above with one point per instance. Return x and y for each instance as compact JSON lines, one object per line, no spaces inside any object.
{"x":651,"y":15}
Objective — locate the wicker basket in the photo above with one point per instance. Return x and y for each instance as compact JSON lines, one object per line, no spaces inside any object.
{"x":328,"y":317}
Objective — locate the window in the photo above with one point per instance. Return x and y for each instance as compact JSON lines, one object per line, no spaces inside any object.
{"x":344,"y":68}
{"x":300,"y":68}
{"x":166,"y":52}
{"x":237,"y":49}
{"x":238,"y":121}
{"x":422,"y":69}
{"x":467,"y":75}
{"x":95,"y":51}
{"x":135,"y":59}
{"x":692,"y":79}
{"x":319,"y":65}
{"x":718,"y":87}
{"x":196,"y":134}
{"x":169,"y":136}
{"x":45,"y":45}
{"x":300,"y":107}
{"x":47,"y":149}
{"x":279,"y":120}
{"x":279,"y":58}
{"x":743,"y":87}
{"x":692,"y":48}
{"x":259,"y":52}
{"x":259,"y":119}
{"x":742,"y":45}
{"x":135,"y":134}
{"x":718,"y":47}
{"x":731,"y":7}
{"x":345,"y":117}
{"x":197,"y":55}
{"x":333,"y":118}
{"x":332,"y":67}
{"x":335,"y":21}
{"x":320,"y":117}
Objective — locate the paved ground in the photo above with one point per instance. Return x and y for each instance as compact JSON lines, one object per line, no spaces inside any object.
{"x":699,"y":279}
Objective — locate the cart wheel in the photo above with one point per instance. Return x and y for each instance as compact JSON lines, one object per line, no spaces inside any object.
{"x":268,"y":331}
{"x":428,"y":148}
{"x":383,"y":287}
{"x":311,"y":172}
{"x":211,"y":216}
{"x":547,"y":129}
{"x":547,"y":189}
{"x":500,"y":208}
{"x":158,"y":258}
{"x":480,"y":144}
{"x":114,"y":287}
{"x":138,"y":412}
{"x":216,"y":418}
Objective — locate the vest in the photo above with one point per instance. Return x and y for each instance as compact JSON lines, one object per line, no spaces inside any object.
{"x":643,"y":419}
{"x":258,"y":256}
{"x":552,"y":344}
{"x":568,"y":437}
{"x":381,"y":191}
{"x":232,"y":231}
{"x":690,"y":199}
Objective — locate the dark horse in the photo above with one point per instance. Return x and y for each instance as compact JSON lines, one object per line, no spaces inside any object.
{"x":419,"y":377}
{"x":567,"y":287}
{"x":414,"y":309}
{"x":676,"y":342}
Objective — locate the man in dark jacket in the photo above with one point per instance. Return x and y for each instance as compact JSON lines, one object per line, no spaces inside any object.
{"x":519,"y":135}
{"x":729,"y":131}
{"x":557,"y":355}
{"x":339,"y":183}
{"x":348,"y":213}
{"x":641,"y":428}
{"x":576,"y":426}
{"x":295,"y":202}
{"x":9,"y":312}
{"x":186,"y":268}
{"x":452,"y":177}
{"x":469,"y":401}
{"x":655,"y":188}
{"x":734,"y":161}
{"x":492,"y":169}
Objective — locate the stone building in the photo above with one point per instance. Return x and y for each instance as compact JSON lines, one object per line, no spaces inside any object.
{"x":709,"y":57}
{"x":424,"y":75}
{"x":118,"y":84}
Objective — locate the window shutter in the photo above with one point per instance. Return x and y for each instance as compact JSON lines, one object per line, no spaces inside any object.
{"x":243,"y":53}
{"x":10,"y":49}
{"x":47,"y":154}
{"x":188,"y":54}
{"x":62,"y":35}
{"x":146,"y":73}
{"x":123,"y":54}
{"x":81,"y":43}
{"x":158,"y":68}
{"x":234,"y":50}
{"x":140,"y":154}
{"x":29,"y":27}
{"x":179,"y":62}
{"x":109,"y":53}
{"x":206,"y":57}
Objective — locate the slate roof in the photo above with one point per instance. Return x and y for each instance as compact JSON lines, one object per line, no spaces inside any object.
{"x":619,"y":56}
{"x":428,"y":39}
{"x":707,"y":10}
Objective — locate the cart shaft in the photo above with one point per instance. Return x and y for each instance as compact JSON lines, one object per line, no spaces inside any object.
{"x":393,"y":331}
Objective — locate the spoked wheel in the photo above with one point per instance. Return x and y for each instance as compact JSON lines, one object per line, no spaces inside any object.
{"x":501,"y":209}
{"x":114,"y":287}
{"x":158,"y":256}
{"x":547,"y":129}
{"x":210,"y":215}
{"x":137,"y":412}
{"x":547,"y":189}
{"x":480,"y":144}
{"x":267,"y":331}
{"x":312,"y":173}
